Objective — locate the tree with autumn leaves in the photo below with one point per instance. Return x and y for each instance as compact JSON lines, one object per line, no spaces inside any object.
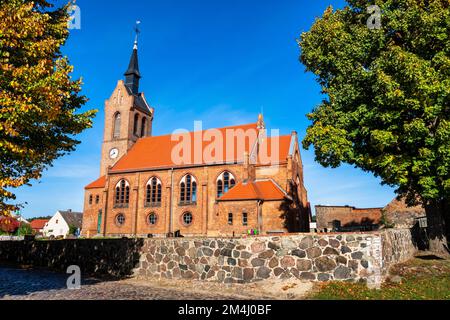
{"x":387,"y":105}
{"x":38,"y":98}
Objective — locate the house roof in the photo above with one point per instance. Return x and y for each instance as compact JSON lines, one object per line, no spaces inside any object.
{"x":38,"y":224}
{"x":74,"y":219}
{"x":99,"y":183}
{"x":156,"y":152}
{"x":257,"y":190}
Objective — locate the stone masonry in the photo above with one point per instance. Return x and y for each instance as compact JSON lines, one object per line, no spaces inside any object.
{"x":321,"y":257}
{"x":306,"y":257}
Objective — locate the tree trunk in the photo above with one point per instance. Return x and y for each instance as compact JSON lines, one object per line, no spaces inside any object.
{"x":438,"y":234}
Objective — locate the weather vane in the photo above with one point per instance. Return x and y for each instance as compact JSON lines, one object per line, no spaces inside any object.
{"x":137,"y":30}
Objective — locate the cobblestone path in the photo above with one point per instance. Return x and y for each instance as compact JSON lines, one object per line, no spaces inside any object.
{"x":18,"y":284}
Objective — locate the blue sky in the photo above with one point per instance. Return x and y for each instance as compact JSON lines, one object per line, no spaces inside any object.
{"x":219,"y":61}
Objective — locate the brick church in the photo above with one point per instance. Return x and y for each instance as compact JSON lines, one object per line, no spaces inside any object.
{"x":146,"y":189}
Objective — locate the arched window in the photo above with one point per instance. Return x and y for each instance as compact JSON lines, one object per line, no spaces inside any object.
{"x":116,"y":133}
{"x":153,"y":193}
{"x":188,"y":190}
{"x":136,"y":124}
{"x":97,"y":199}
{"x":143,"y":126}
{"x":122,"y":198}
{"x":90,"y":199}
{"x":225,"y":182}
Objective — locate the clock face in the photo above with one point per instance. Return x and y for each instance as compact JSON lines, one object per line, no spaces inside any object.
{"x":114,"y":153}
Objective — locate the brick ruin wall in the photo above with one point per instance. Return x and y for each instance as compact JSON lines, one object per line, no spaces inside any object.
{"x":356,"y":256}
{"x":348,"y":216}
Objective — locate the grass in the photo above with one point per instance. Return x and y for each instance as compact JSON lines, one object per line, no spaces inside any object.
{"x":422,"y":278}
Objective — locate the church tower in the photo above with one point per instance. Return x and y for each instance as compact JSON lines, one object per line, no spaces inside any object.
{"x":128,"y":116}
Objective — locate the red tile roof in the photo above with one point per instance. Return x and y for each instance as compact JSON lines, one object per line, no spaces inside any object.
{"x":156,"y":152}
{"x":284,"y":143}
{"x":38,"y":224}
{"x":99,"y":183}
{"x":257,"y":190}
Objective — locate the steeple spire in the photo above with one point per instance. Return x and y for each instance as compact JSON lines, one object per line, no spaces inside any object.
{"x":132,"y":75}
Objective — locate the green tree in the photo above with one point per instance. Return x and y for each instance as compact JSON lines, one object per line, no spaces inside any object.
{"x":38,"y":97}
{"x":387,"y":99}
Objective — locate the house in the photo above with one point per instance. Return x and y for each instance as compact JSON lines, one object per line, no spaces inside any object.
{"x":21,"y":219}
{"x":228,"y":182}
{"x":38,"y":225}
{"x":59,"y":225}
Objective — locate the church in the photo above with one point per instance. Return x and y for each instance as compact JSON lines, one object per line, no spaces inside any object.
{"x":228,"y":182}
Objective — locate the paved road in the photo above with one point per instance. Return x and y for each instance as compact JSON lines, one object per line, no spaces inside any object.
{"x":17,"y":284}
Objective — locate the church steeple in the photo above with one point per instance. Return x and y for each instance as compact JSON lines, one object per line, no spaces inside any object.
{"x":132,"y":75}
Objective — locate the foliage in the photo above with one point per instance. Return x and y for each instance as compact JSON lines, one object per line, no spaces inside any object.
{"x":387,"y":109}
{"x":9,"y":225}
{"x":38,"y":98}
{"x":72,"y":230}
{"x":24,"y":229}
{"x":422,"y":280}
{"x":40,"y":218}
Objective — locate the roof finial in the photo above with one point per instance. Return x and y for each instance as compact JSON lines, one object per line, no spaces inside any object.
{"x":137,"y":31}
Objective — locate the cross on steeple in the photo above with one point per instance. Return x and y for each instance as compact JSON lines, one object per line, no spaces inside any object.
{"x":132,"y":75}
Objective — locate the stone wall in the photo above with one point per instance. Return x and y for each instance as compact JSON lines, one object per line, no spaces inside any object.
{"x":397,"y":246}
{"x":322,"y":257}
{"x":307,"y":257}
{"x":115,"y":258}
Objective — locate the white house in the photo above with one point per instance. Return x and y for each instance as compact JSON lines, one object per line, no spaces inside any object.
{"x":60,"y":223}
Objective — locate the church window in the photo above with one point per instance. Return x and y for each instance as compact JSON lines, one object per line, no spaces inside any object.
{"x":187,"y":218}
{"x":152,"y":219}
{"x":90,"y":199}
{"x":120,"y":219}
{"x":116,"y":133}
{"x":230,"y":218}
{"x":188,"y":190}
{"x":136,"y":124}
{"x":143,"y":126}
{"x":97,"y":199}
{"x":122,"y":198}
{"x":244,"y":219}
{"x":153,"y":193}
{"x":225,"y":182}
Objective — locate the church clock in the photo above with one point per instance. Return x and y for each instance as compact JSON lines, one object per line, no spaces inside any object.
{"x":113,"y":153}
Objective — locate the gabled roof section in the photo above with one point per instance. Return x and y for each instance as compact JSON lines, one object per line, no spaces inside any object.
{"x":258,"y":190}
{"x":156,"y":152}
{"x":271,"y":144}
{"x":74,"y":219}
{"x":38,"y":224}
{"x":99,"y":183}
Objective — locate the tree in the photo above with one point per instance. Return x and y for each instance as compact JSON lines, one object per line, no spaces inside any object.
{"x":38,"y":97}
{"x":387,"y":99}
{"x":9,"y":225}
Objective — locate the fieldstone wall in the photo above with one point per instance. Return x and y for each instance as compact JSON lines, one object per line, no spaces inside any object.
{"x":308,"y":257}
{"x":397,"y":246}
{"x":311,"y":257}
{"x":109,"y":258}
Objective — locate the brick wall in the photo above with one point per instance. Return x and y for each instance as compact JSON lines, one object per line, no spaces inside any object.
{"x":348,"y":216}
